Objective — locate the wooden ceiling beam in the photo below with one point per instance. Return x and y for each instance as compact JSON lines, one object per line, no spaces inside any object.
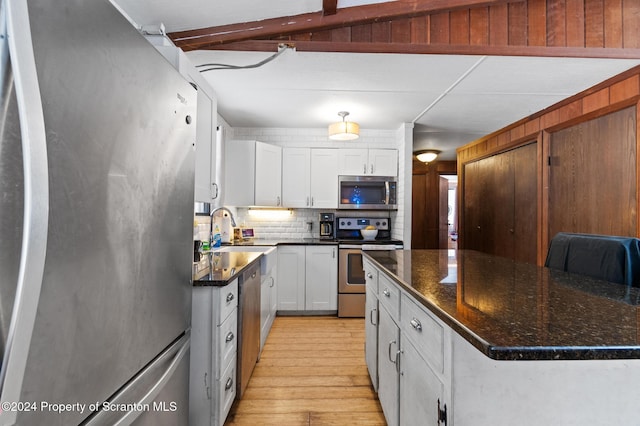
{"x":440,"y":49}
{"x":329,"y":7}
{"x":312,"y":22}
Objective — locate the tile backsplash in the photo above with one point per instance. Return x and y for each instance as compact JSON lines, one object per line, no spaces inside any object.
{"x":285,"y":224}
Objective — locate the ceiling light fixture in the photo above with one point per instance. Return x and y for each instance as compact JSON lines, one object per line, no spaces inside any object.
{"x":344,"y":130}
{"x":427,"y":155}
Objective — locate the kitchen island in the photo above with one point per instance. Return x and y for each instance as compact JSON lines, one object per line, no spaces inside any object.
{"x":481,"y":339}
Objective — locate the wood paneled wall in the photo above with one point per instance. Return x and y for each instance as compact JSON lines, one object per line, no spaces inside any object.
{"x":588,"y":28}
{"x":551,"y":23}
{"x":426,"y":226}
{"x":591,"y":110}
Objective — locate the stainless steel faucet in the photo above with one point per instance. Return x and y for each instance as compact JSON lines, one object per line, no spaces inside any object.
{"x":214,"y":211}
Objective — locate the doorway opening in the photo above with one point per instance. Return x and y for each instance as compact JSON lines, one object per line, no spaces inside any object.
{"x":452,"y":211}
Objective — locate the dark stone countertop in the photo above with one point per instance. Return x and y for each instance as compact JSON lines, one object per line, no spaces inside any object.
{"x":228,"y":265}
{"x":219,"y":269}
{"x":518,"y":311}
{"x":280,"y":242}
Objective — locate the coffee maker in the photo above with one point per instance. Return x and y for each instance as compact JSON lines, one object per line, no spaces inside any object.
{"x":327,"y":226}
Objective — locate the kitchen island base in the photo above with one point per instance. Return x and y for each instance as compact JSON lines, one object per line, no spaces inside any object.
{"x":560,"y":392}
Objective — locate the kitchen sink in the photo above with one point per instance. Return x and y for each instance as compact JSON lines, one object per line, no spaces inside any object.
{"x":269,"y":255}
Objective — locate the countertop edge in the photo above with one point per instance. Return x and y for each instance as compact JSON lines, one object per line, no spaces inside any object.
{"x":223,"y":283}
{"x":515,"y":353}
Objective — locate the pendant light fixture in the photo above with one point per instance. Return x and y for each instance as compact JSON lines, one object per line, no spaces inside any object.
{"x":427,"y":155}
{"x":344,"y":130}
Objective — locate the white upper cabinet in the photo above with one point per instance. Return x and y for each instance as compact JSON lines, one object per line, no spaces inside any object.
{"x":239,"y":173}
{"x":296,"y":177}
{"x":207,"y":185}
{"x":324,"y":178}
{"x":268,"y":180}
{"x":383,"y":162}
{"x":253,"y":174}
{"x":369,"y":162}
{"x":310,"y":178}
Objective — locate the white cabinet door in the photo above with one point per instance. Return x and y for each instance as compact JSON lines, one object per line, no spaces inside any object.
{"x":353,"y":161}
{"x":268,"y":303}
{"x":388,"y":373}
{"x":370,"y":162}
{"x":296,"y":190}
{"x":371,"y":336}
{"x":239,"y":172}
{"x":268,"y":177}
{"x":321,"y":278}
{"x":204,"y":148}
{"x":324,"y":178}
{"x":291,"y":278}
{"x":206,"y":185}
{"x":383,"y":162}
{"x":420,"y":389}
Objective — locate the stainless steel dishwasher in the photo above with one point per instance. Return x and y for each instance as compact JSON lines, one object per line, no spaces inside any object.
{"x":248,"y":325}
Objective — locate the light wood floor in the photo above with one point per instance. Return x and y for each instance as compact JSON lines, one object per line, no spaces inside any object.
{"x":312,"y":372}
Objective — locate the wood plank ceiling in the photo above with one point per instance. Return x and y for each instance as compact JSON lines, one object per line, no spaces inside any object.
{"x":553,"y":28}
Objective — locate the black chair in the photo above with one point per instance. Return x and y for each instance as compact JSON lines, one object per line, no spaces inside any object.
{"x":609,"y":258}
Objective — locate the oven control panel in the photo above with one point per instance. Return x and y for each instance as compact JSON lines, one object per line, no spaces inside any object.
{"x":357,"y":223}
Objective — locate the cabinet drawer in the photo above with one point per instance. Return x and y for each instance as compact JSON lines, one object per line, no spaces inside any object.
{"x":370,"y":275}
{"x":226,"y":391}
{"x":227,"y":301}
{"x":227,"y":341}
{"x":425,"y":331}
{"x":389,"y":295}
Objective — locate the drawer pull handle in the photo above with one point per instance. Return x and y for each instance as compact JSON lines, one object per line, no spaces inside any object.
{"x":371,"y":314}
{"x":230,"y":297}
{"x":416,"y":324}
{"x":386,"y":292}
{"x":369,"y":275}
{"x":393,"y":360}
{"x":229,"y":383}
{"x":229,"y":337}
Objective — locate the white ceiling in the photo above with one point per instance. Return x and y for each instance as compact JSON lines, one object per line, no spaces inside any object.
{"x":452,"y":100}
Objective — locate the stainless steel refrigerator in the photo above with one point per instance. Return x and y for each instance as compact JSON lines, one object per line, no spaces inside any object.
{"x":96,"y":219}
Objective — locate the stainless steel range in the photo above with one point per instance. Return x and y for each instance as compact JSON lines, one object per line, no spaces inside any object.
{"x":351,"y":282}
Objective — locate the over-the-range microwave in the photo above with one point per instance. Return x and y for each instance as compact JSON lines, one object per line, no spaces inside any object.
{"x":367,"y":192}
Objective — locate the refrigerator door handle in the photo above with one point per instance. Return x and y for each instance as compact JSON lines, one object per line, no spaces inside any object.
{"x":16,"y":29}
{"x":178,"y":350}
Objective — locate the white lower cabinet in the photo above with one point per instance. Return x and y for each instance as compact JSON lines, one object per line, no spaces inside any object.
{"x":413,"y":372}
{"x":420,"y":389}
{"x":214,"y":326}
{"x":307,"y":278}
{"x":388,"y":369}
{"x":371,"y":336}
{"x":268,"y":303}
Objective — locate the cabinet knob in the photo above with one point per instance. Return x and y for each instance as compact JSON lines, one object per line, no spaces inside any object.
{"x":369,"y":275}
{"x":230,"y":297}
{"x":229,"y":383}
{"x":229,"y":337}
{"x":416,"y":324}
{"x":386,"y":292}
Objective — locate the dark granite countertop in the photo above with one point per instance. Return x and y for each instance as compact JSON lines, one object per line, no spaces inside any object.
{"x":228,"y":265}
{"x":220,"y":268}
{"x":517,"y":311}
{"x":284,"y":241}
